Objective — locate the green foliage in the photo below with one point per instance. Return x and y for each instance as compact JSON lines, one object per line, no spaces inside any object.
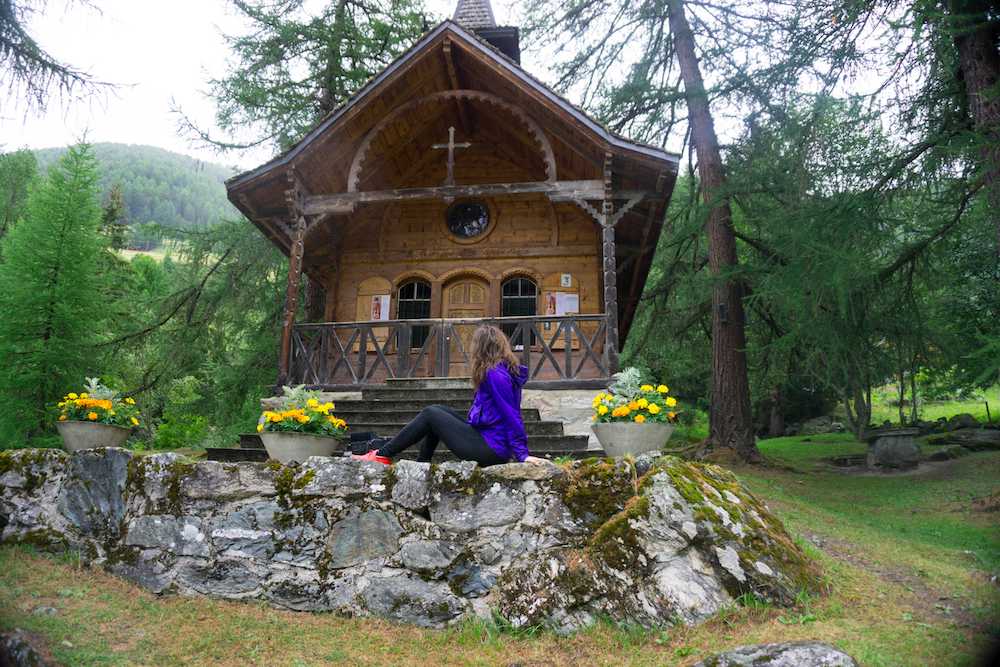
{"x":50,"y":293}
{"x":181,"y":426}
{"x":17,"y":171}
{"x":155,"y":185}
{"x":294,"y":66}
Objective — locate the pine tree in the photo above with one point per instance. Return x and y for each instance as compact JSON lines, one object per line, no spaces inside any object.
{"x":50,"y":293}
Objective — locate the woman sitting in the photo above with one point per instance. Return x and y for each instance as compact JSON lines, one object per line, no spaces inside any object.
{"x":493,"y":433}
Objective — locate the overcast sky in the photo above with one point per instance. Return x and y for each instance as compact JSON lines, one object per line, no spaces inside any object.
{"x":157,"y":52}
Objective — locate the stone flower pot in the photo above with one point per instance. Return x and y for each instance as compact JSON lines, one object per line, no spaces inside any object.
{"x":621,"y":438}
{"x":288,"y":447}
{"x":77,"y":435}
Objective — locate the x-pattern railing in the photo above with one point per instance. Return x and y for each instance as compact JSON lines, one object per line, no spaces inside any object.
{"x":564,"y":348}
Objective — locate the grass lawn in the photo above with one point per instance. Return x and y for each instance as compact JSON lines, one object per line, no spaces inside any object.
{"x":930,"y":411}
{"x":908,"y":560}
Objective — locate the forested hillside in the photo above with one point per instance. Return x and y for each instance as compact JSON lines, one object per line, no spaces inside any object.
{"x":158,"y":186}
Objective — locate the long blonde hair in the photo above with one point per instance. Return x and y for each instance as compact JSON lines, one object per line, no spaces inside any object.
{"x":489,"y":348}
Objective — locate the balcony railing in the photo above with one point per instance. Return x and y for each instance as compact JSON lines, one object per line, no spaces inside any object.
{"x":568,"y":350}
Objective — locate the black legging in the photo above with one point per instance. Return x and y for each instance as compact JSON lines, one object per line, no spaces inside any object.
{"x":436,"y":423}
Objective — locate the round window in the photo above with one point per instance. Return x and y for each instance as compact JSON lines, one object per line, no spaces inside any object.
{"x":468,"y":219}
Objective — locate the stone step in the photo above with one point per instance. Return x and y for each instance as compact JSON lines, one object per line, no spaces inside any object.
{"x":235,"y":454}
{"x":391,"y":425}
{"x":392,"y":393}
{"x":540,"y":442}
{"x":430,"y":383}
{"x":366,"y":411}
{"x":442,"y":454}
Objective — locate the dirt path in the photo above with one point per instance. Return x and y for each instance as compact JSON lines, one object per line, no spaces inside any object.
{"x":932,"y":604}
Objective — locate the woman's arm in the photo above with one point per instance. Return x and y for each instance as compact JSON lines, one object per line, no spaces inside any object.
{"x":501,"y":388}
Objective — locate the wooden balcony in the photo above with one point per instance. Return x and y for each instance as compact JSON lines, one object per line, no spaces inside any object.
{"x":568,"y":351}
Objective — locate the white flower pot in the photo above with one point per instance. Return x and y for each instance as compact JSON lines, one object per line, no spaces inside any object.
{"x":621,"y":438}
{"x":288,"y":447}
{"x":77,"y":435}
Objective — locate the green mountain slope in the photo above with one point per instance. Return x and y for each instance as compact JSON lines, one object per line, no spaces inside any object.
{"x":159,"y":186}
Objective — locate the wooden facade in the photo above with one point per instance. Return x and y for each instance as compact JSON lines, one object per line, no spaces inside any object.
{"x":563,"y":218}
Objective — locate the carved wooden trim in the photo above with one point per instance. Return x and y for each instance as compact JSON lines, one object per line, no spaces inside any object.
{"x":548,"y":155}
{"x":344,"y":202}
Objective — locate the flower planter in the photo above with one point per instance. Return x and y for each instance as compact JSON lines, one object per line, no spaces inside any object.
{"x":77,"y":435}
{"x":621,"y":438}
{"x":288,"y":447}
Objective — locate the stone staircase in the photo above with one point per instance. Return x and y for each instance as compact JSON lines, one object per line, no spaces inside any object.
{"x":385,"y":409}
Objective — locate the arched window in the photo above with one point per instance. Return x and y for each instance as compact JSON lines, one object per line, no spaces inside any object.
{"x":414,"y":303}
{"x":518,"y":298}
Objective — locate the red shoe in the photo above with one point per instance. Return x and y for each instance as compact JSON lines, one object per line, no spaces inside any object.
{"x":373,"y":456}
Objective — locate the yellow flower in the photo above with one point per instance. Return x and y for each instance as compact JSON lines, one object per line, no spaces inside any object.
{"x":643,"y":403}
{"x":602,"y":409}
{"x":71,"y":395}
{"x":83,"y":395}
{"x":671,"y":402}
{"x":260,"y":428}
{"x":646,"y":387}
{"x":654,"y":409}
{"x":671,"y":415}
{"x":135,"y":422}
{"x":662,"y":389}
{"x":276,"y":417}
{"x":328,"y":406}
{"x":130,"y":400}
{"x":633,"y":405}
{"x":302,"y":419}
{"x":62,"y":418}
{"x":92,"y":416}
{"x":640,"y":419}
{"x":312,"y":403}
{"x":62,"y":404}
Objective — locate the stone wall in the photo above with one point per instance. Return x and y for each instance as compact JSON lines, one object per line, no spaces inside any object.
{"x":653,"y":542}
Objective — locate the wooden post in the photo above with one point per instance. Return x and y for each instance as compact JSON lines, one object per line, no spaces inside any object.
{"x":610,"y":272}
{"x":294,"y":198}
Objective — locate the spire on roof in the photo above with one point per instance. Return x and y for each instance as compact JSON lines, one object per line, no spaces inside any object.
{"x":474,"y":14}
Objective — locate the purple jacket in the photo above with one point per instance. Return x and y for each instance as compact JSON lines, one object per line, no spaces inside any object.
{"x":496,"y":412}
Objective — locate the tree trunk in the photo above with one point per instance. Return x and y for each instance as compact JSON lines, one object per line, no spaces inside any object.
{"x":979,"y":60}
{"x":902,"y":396}
{"x":730,"y":421}
{"x":776,"y":424}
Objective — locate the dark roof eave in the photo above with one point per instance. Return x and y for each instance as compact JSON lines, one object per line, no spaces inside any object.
{"x":613,"y":140}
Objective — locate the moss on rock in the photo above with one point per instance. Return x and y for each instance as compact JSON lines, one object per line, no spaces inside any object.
{"x":594,"y":490}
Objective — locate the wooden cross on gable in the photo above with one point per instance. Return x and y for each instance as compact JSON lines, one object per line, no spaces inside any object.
{"x":451,"y":146}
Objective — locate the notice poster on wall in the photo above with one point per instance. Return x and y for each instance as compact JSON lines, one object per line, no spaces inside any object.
{"x":380,"y":307}
{"x":567,"y":303}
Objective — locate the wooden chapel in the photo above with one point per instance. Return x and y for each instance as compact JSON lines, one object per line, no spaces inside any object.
{"x":455,"y":189}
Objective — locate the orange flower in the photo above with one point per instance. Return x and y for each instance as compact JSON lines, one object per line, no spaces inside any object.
{"x":92,"y":416}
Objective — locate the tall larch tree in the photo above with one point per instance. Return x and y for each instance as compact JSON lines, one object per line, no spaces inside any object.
{"x":50,"y":294}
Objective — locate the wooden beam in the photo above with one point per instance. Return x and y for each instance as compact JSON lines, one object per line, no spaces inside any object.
{"x":345,"y":202}
{"x":294,"y":196}
{"x":610,"y":272}
{"x":449,"y":61}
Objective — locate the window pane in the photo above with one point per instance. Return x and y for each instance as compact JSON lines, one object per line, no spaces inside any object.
{"x":517,"y":300}
{"x":415,"y":304}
